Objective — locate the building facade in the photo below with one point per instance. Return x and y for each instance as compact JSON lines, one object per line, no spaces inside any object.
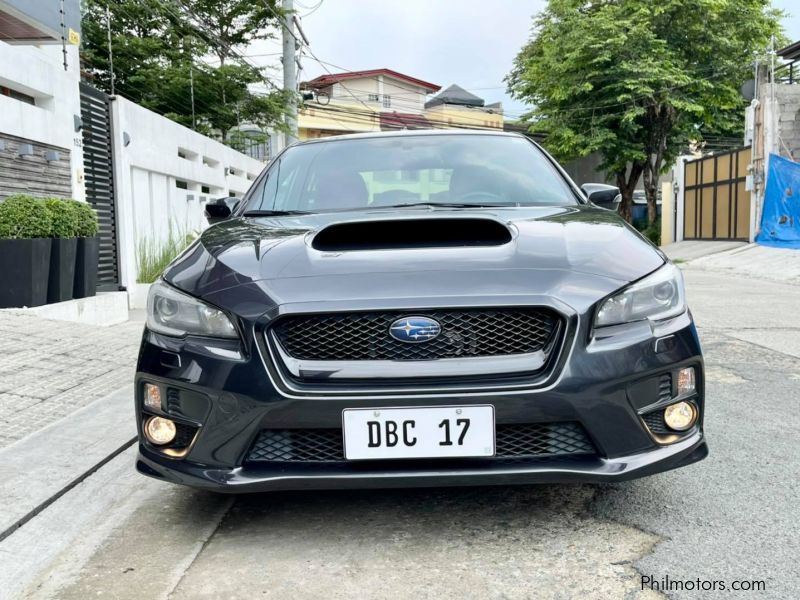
{"x":455,"y":107}
{"x":41,"y":149}
{"x":362,"y":101}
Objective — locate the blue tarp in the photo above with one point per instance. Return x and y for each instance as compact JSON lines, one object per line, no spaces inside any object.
{"x":780,"y":219}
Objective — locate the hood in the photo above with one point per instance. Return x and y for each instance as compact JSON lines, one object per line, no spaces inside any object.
{"x":360,"y":254}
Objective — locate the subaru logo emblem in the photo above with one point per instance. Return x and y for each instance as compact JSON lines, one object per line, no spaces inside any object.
{"x":414,"y":330}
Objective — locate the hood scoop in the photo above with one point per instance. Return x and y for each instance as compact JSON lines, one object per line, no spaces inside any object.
{"x":396,"y":234}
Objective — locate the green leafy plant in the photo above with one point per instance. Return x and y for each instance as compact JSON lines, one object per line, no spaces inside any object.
{"x":85,"y":218}
{"x":63,"y":220}
{"x":653,"y":232}
{"x":153,"y":256}
{"x":23,"y":217}
{"x":637,"y":81}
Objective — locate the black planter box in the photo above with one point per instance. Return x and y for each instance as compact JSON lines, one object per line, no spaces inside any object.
{"x":24,"y":269}
{"x":62,"y":269}
{"x":86,"y":260}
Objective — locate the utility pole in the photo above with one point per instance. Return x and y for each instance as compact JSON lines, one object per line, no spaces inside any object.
{"x":289,"y":72}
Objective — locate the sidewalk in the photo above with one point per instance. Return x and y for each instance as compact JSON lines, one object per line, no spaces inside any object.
{"x":50,"y":369}
{"x":753,"y":260}
{"x":693,"y":249}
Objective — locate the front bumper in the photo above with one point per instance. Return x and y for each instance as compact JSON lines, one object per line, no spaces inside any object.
{"x":604,"y":383}
{"x":587,"y":470}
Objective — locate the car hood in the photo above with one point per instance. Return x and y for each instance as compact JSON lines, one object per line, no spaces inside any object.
{"x":577,"y":254}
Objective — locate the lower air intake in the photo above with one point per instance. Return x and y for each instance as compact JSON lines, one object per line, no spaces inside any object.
{"x":532,"y":440}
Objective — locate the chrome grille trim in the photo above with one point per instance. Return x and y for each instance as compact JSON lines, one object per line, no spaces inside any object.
{"x":352,"y":370}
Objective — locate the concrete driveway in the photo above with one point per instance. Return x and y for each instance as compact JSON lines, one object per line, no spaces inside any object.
{"x":730,"y":518}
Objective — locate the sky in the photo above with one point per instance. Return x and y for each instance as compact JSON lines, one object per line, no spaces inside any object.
{"x":469,"y":42}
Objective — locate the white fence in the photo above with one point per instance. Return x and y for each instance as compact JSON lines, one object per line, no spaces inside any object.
{"x":165,"y":173}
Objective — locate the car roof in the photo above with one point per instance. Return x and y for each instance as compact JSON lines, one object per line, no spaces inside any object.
{"x":408,"y":133}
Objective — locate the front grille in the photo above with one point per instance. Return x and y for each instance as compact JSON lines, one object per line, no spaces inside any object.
{"x":464,"y":333}
{"x":511,"y":441}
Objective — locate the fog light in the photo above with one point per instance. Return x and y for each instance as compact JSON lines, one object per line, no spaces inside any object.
{"x":159,"y":430}
{"x":680,"y":416}
{"x":152,"y":396}
{"x":686,"y":381}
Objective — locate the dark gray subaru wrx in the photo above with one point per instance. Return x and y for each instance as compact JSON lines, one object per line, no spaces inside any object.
{"x":417,"y":309}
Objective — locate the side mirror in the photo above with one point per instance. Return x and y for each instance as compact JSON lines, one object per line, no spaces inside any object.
{"x":602,"y":195}
{"x":220,"y":209}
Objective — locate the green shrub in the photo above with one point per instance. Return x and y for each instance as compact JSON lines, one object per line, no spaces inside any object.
{"x":63,"y":219}
{"x":23,"y":217}
{"x":653,"y":232}
{"x":85,"y":217}
{"x":153,"y":256}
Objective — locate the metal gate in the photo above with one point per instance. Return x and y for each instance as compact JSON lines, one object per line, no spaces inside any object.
{"x":716,"y":203}
{"x":99,"y":176}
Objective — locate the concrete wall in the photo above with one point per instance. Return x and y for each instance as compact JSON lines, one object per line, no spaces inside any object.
{"x":776,"y":130}
{"x":49,"y":123}
{"x":160,"y":156}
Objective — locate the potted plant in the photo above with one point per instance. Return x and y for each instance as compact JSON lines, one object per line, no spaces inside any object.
{"x":64,"y":247}
{"x":88,"y":252}
{"x":25,"y":226}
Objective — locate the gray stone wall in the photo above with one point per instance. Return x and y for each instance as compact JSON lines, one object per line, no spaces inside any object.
{"x":33,"y":174}
{"x":788,"y":102}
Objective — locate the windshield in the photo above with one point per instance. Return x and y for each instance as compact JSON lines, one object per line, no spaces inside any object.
{"x":460,"y":170}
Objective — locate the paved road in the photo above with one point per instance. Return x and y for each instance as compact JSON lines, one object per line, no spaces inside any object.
{"x":731,"y":517}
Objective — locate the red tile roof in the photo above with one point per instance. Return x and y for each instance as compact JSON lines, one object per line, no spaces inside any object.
{"x":326,"y":80}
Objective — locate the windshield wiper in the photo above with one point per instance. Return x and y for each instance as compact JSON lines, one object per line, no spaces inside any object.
{"x":273,"y":213}
{"x":444,"y":205}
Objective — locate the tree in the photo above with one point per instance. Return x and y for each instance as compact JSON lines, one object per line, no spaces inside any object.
{"x":636,"y":80}
{"x":163,"y":52}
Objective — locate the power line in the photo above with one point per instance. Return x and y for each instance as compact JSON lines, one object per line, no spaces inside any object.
{"x":213,"y":38}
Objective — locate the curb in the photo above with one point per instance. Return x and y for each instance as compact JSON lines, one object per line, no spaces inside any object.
{"x":42,"y":467}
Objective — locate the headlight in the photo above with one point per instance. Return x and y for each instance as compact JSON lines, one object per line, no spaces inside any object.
{"x":174,"y":313}
{"x":657,"y":296}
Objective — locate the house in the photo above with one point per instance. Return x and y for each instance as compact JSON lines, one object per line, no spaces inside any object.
{"x":363,"y":101}
{"x":41,"y":150}
{"x":456,"y":107}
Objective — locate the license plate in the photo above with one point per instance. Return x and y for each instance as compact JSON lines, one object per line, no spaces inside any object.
{"x":429,"y":432}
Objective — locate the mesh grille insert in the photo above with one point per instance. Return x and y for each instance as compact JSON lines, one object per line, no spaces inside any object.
{"x":512,"y":441}
{"x":464,"y":333}
{"x":655,"y":422}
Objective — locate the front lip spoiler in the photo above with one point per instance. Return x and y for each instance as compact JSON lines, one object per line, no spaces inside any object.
{"x":590,"y":470}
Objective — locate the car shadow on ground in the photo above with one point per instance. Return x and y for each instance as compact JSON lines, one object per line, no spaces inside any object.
{"x":471,"y":542}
